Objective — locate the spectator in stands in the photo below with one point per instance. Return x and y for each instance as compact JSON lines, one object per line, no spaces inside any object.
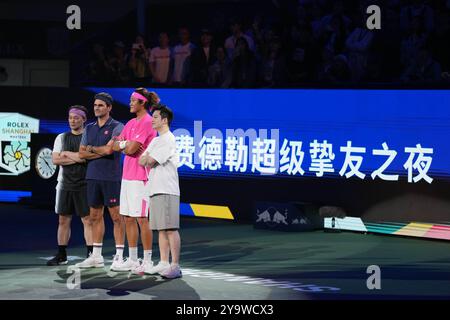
{"x":256,"y":30}
{"x":244,"y":67}
{"x":218,"y":26}
{"x":339,"y":71}
{"x":181,"y":57}
{"x":424,"y":70}
{"x":301,"y":49}
{"x":118,"y":65}
{"x":160,"y":60}
{"x":306,"y":29}
{"x":274,"y":69}
{"x":201,"y":59}
{"x":98,"y":65}
{"x":337,"y":14}
{"x":358,"y":45}
{"x":334,"y":34}
{"x":231,"y":41}
{"x":325,"y":65}
{"x":413,"y":42}
{"x":314,"y":13}
{"x":269,"y":35}
{"x":219,"y":74}
{"x":138,"y":61}
{"x":418,"y":8}
{"x":440,"y":39}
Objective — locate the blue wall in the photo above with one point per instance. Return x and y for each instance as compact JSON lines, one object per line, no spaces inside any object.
{"x":401,"y":118}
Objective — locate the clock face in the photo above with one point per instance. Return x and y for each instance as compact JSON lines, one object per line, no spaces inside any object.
{"x":44,"y":164}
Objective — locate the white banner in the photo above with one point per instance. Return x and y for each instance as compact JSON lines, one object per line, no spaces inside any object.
{"x":17,"y":127}
{"x":15,"y":135}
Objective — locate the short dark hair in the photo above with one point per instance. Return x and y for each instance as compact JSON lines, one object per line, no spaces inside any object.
{"x":105,"y":97}
{"x":164,"y":111}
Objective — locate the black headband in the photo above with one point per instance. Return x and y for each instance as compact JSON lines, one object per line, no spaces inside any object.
{"x":105,"y":98}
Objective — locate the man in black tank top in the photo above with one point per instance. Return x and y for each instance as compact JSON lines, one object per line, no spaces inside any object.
{"x":74,"y":174}
{"x":71,"y":195}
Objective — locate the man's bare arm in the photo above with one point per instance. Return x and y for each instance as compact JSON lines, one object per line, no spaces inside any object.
{"x":131,"y":147}
{"x":91,"y":153}
{"x":73,"y":156}
{"x":61,"y":161}
{"x":87,"y":155}
{"x":104,"y":150}
{"x":147,"y":161}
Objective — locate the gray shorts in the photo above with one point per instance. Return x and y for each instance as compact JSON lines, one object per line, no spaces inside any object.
{"x":164,"y":212}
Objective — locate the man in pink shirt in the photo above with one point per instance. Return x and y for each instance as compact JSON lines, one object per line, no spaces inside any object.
{"x":135,"y":137}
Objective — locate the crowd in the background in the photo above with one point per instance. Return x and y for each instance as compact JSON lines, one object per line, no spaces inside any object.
{"x":322,"y":41}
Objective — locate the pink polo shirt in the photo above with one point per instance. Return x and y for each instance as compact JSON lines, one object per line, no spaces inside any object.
{"x":142,"y":132}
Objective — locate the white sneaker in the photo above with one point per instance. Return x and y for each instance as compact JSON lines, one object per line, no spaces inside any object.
{"x":91,"y":262}
{"x":144,"y":267}
{"x":160,"y":267}
{"x":172,"y":272}
{"x":117,"y":261}
{"x":126,"y":265}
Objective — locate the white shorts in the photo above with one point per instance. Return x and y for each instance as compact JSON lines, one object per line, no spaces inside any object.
{"x":134,"y":199}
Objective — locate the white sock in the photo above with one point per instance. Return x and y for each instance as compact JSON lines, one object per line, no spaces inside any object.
{"x":119,"y":251}
{"x":174,"y":264}
{"x":132,"y":251}
{"x":147,"y":255}
{"x":97,"y":249}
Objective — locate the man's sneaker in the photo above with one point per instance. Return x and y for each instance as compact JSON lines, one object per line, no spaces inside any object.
{"x":172,"y":272}
{"x":144,"y":267}
{"x":91,"y":262}
{"x":117,"y":261}
{"x":57,"y":260}
{"x":126,"y":265}
{"x":160,"y":267}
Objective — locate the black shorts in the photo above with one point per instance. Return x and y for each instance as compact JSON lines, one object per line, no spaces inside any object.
{"x":103,"y":193}
{"x":72,"y":202}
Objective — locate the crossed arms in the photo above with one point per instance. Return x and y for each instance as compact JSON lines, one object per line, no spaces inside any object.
{"x":131,"y":147}
{"x":95,"y":152}
{"x":92,"y":152}
{"x":66,"y":158}
{"x":147,"y":161}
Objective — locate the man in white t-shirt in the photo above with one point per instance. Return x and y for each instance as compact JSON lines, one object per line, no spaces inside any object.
{"x":230,"y":42}
{"x":180,"y":55}
{"x":161,"y":158}
{"x":159,"y":60}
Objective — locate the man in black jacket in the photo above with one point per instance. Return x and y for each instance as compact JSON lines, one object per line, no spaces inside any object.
{"x":201,"y":59}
